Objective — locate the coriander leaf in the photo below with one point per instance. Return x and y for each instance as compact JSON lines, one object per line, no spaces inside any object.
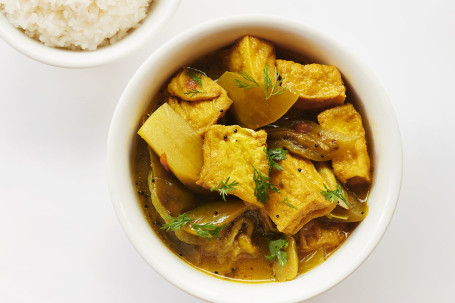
{"x":272,"y":86}
{"x":224,"y":187}
{"x":275,"y":248}
{"x":273,"y":155}
{"x":334,"y":195}
{"x":176,"y":223}
{"x":207,"y":230}
{"x":282,"y":257}
{"x":288,"y":204}
{"x":262,"y":185}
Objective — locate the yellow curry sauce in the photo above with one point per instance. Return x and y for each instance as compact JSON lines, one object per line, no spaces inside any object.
{"x":314,"y":242}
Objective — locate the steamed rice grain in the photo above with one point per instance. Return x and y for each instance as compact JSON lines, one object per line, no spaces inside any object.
{"x":75,"y":24}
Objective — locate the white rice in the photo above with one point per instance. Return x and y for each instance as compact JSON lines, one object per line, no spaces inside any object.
{"x":75,"y":24}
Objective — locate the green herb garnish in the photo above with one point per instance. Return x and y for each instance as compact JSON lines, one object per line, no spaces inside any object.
{"x":276,"y":252}
{"x":288,"y":204}
{"x":206,"y":230}
{"x":197,"y":78}
{"x":272,"y":86}
{"x":335,"y":195}
{"x":176,"y":223}
{"x":262,"y":185}
{"x":224,"y":187}
{"x":273,"y":155}
{"x":193,"y":92}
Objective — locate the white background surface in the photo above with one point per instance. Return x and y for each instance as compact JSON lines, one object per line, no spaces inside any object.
{"x":60,"y":240}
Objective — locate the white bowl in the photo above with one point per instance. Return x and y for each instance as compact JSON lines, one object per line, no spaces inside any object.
{"x":302,"y":39}
{"x":160,"y":11}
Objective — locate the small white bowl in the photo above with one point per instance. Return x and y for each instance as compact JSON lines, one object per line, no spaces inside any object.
{"x":160,"y":11}
{"x":302,"y":39}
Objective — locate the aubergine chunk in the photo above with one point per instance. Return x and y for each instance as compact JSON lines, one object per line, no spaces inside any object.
{"x":325,"y":171}
{"x":310,"y":140}
{"x":191,"y":85}
{"x":169,"y":196}
{"x":290,"y":270}
{"x":301,"y":185}
{"x":236,"y":243}
{"x":353,"y":166}
{"x":318,"y":86}
{"x":230,"y":152}
{"x":218,"y":213}
{"x":200,"y":115}
{"x":250,"y":55}
{"x":317,"y":234}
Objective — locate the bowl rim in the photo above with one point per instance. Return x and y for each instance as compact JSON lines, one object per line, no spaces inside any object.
{"x":161,"y":12}
{"x":220,"y":290}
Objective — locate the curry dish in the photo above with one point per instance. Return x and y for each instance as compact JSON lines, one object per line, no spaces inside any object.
{"x":253,"y":168}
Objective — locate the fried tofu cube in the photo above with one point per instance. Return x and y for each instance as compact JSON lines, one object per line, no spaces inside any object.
{"x":198,"y":99}
{"x":318,"y":86}
{"x":317,"y":234}
{"x":190,"y":85}
{"x":352,"y":167}
{"x":200,"y":115}
{"x":301,"y":185}
{"x":250,"y":55}
{"x":230,"y":151}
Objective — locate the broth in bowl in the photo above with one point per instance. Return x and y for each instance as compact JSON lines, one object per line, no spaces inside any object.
{"x":252,"y":164}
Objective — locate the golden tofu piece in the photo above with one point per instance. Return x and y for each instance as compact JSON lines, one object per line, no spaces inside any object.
{"x":184,"y":86}
{"x":200,"y":115}
{"x":353,"y":166}
{"x":317,"y":234}
{"x":250,"y":55}
{"x":301,"y":185}
{"x":318,"y":86}
{"x":229,"y":151}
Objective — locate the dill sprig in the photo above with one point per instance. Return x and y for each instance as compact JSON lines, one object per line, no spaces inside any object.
{"x":208,"y":231}
{"x":273,"y":155}
{"x":224,"y":187}
{"x":288,"y":204}
{"x":192,"y":92}
{"x":176,"y":223}
{"x":272,"y":85}
{"x":335,"y":195}
{"x":262,"y":185}
{"x":197,"y":78}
